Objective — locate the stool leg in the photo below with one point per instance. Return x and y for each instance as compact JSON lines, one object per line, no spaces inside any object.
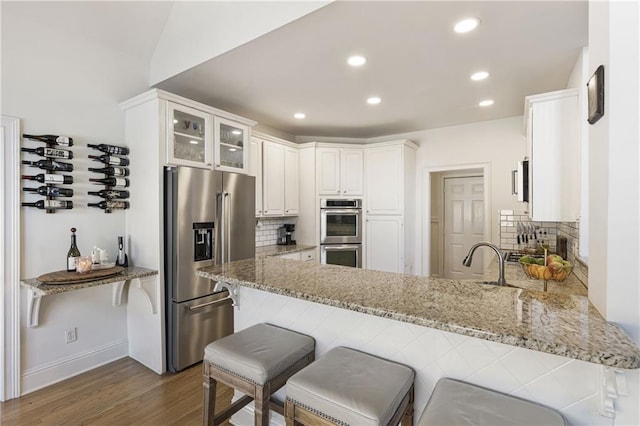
{"x":209,"y":402}
{"x":407,"y":419}
{"x":289,"y":418}
{"x":261,"y":405}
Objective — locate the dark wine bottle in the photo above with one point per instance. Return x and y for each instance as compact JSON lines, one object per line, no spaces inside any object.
{"x":50,"y":152}
{"x":50,"y":204}
{"x":53,"y":139}
{"x":111,"y":194}
{"x":51,"y":191}
{"x":111,"y":181}
{"x":110,"y":205}
{"x":50,"y":165}
{"x":111,"y":160}
{"x":111,"y":171}
{"x":73,"y":254}
{"x":122,"y":259}
{"x":49,"y":178}
{"x":110,"y":149}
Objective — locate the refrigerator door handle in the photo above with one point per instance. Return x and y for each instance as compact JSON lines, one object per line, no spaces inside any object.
{"x":222,"y":227}
{"x":204,"y":305}
{"x":228,"y":223}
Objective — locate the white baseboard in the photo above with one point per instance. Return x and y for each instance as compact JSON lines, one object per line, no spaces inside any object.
{"x":244,"y":417}
{"x":47,"y":374}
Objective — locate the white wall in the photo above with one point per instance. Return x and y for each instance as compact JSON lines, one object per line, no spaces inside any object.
{"x":198,"y":31}
{"x":614,"y":180}
{"x":500,"y":143}
{"x":63,"y":85}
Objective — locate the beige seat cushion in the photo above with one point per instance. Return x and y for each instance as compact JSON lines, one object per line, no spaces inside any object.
{"x":458,"y":403}
{"x":351,"y":387}
{"x":259,"y":353}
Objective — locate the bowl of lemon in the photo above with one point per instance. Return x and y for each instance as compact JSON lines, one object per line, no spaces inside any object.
{"x":553,"y":267}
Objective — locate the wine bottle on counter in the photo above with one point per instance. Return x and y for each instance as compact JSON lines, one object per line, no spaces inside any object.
{"x":51,"y":191}
{"x":111,"y":171}
{"x":50,"y":204}
{"x":73,"y":254}
{"x":111,"y":181}
{"x":110,"y":205}
{"x":49,"y":178}
{"x":111,"y":160}
{"x":52,"y":139}
{"x":122,"y":259}
{"x":50,"y":152}
{"x":110,"y":149}
{"x":110,"y":194}
{"x":50,"y":165}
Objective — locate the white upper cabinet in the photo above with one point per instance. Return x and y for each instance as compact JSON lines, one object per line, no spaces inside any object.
{"x":189,"y":136}
{"x":254,"y":164}
{"x":231,"y":142}
{"x":280,"y":179}
{"x":385,"y":182}
{"x":340,"y":171}
{"x":553,"y":147}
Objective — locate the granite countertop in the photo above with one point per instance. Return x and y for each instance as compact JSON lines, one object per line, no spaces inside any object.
{"x":129,"y":273}
{"x":276,"y":250}
{"x":555,"y":323}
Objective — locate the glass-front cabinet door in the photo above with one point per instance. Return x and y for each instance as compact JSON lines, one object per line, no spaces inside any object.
{"x":190,"y":137}
{"x":231,"y":145}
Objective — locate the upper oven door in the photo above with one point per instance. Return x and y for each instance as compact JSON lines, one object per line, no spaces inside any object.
{"x":340,"y":226}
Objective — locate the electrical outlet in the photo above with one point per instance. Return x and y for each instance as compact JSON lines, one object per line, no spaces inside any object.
{"x":71,"y":335}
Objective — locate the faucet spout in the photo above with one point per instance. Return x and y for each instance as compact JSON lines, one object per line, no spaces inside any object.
{"x":467,"y":260}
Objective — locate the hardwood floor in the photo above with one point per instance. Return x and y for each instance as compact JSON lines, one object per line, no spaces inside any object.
{"x":123,"y":392}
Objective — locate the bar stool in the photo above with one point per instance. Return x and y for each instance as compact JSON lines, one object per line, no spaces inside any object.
{"x":348,"y":387}
{"x":256,"y":361}
{"x":460,"y":403}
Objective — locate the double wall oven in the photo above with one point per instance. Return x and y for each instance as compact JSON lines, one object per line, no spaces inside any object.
{"x":341,"y":232}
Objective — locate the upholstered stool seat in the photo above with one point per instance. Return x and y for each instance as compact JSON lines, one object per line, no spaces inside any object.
{"x":256,"y":361}
{"x":458,"y":403}
{"x":346,"y":386}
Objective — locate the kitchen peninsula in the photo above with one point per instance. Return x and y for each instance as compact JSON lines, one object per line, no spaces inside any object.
{"x":548,"y":347}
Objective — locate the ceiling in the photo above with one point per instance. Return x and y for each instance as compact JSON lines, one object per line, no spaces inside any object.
{"x":416,"y":64}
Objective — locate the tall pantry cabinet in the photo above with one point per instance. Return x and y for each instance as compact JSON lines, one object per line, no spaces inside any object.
{"x":390,"y":205}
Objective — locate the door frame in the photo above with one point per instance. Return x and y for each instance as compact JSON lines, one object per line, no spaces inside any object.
{"x":424,"y":260}
{"x":10,"y":259}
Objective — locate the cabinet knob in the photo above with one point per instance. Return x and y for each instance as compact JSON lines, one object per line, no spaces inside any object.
{"x":344,"y":192}
{"x":217,"y":165}
{"x":338,"y":191}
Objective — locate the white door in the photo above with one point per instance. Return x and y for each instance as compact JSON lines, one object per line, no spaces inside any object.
{"x":463,"y":225}
{"x":384,"y":243}
{"x":273,"y":179}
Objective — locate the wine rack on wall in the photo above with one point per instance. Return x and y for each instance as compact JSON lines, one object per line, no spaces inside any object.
{"x":114,"y":178}
{"x":54,"y":161}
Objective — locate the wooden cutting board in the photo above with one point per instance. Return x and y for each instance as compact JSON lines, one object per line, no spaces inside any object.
{"x":66,"y":277}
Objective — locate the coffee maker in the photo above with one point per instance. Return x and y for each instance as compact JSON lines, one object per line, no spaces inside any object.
{"x":285,"y":234}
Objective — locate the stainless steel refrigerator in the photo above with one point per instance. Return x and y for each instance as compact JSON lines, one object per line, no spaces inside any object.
{"x":209,"y":219}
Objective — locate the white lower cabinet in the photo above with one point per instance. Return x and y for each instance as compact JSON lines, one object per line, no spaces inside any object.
{"x":384,"y":247}
{"x":306,"y":255}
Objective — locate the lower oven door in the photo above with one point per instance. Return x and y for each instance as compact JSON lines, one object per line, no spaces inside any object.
{"x":341,"y":254}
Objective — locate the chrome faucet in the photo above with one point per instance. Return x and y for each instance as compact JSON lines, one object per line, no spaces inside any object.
{"x":467,"y":260}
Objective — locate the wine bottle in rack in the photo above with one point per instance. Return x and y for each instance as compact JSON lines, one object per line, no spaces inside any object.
{"x":50,"y":152}
{"x":51,"y":191}
{"x":50,"y":204}
{"x":111,"y":160}
{"x":110,"y":149}
{"x":111,"y":194}
{"x":110,"y":205}
{"x":73,"y":254}
{"x":111,"y":181}
{"x":52,"y":139}
{"x":50,"y":165}
{"x":111,"y":171}
{"x":49,"y":178}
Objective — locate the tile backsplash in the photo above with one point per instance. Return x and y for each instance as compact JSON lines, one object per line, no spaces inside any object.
{"x":267,"y":230}
{"x":550,"y":230}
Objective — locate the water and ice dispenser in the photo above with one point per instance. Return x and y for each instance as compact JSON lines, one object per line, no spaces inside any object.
{"x":202,"y":241}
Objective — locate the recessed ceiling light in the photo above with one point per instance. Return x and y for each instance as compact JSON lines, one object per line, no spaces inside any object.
{"x":374,"y":100}
{"x":299,"y":115}
{"x":466,"y":25}
{"x":194,"y":142}
{"x":486,"y":103}
{"x":480,"y":75}
{"x":236,"y":132}
{"x":356,"y":60}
